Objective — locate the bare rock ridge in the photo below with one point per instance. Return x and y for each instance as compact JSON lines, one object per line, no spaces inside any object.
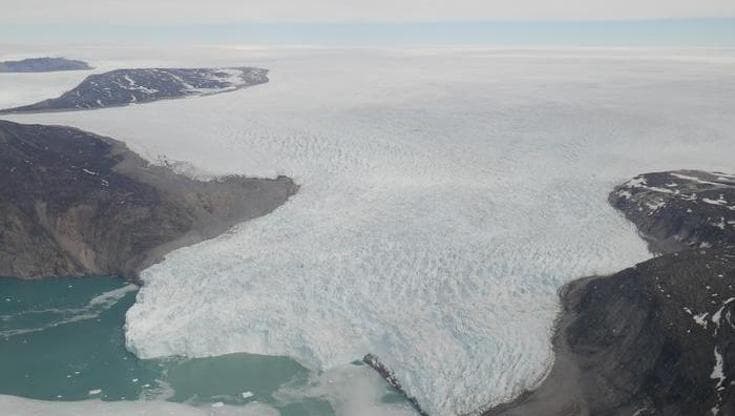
{"x":680,"y":209}
{"x":73,"y":203}
{"x":128,"y":86}
{"x":374,"y":362}
{"x":657,"y":338}
{"x":43,"y":65}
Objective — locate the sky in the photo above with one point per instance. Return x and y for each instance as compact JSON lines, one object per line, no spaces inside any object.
{"x":706,"y":22}
{"x":227,"y":11}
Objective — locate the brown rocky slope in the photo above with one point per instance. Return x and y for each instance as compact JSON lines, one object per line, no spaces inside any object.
{"x":73,"y":203}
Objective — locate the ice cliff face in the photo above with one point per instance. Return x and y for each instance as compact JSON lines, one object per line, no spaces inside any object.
{"x":128,"y":86}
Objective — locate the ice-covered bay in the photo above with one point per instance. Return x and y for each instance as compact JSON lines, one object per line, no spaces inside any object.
{"x":446,"y":196}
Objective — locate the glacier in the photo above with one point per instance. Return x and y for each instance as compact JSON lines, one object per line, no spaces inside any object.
{"x":446,"y":195}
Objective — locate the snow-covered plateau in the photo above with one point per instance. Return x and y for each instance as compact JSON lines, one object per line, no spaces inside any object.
{"x":446,"y":195}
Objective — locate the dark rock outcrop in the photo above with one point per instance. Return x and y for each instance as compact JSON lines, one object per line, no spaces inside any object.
{"x":374,"y":362}
{"x":680,"y":209}
{"x":128,"y":86}
{"x":73,"y":203}
{"x":43,"y":65}
{"x":657,"y":338}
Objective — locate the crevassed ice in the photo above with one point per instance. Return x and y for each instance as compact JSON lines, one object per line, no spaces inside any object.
{"x":446,"y":196}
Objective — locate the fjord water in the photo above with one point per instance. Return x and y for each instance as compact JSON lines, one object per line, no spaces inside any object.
{"x":62,"y":339}
{"x":446,"y":195}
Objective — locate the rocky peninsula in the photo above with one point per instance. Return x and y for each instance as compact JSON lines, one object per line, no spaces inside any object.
{"x":43,"y":65}
{"x":144,"y":85}
{"x":75,"y":204}
{"x":657,"y":338}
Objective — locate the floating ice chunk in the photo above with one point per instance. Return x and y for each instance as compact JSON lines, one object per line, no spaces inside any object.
{"x":109,"y":298}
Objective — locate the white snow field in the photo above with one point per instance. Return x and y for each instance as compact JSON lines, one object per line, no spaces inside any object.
{"x":446,"y":196}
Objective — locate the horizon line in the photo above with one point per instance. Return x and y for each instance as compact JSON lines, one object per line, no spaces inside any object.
{"x":715,"y":31}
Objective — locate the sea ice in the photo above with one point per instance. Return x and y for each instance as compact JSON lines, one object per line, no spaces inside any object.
{"x":18,"y":406}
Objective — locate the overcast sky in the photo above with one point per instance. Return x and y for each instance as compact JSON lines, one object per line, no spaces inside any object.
{"x":222,"y":11}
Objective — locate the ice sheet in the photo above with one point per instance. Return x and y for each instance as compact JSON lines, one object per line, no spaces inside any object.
{"x":446,"y":196}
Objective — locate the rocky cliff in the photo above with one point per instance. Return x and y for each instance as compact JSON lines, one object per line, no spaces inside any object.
{"x":73,"y":203}
{"x":657,"y":338}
